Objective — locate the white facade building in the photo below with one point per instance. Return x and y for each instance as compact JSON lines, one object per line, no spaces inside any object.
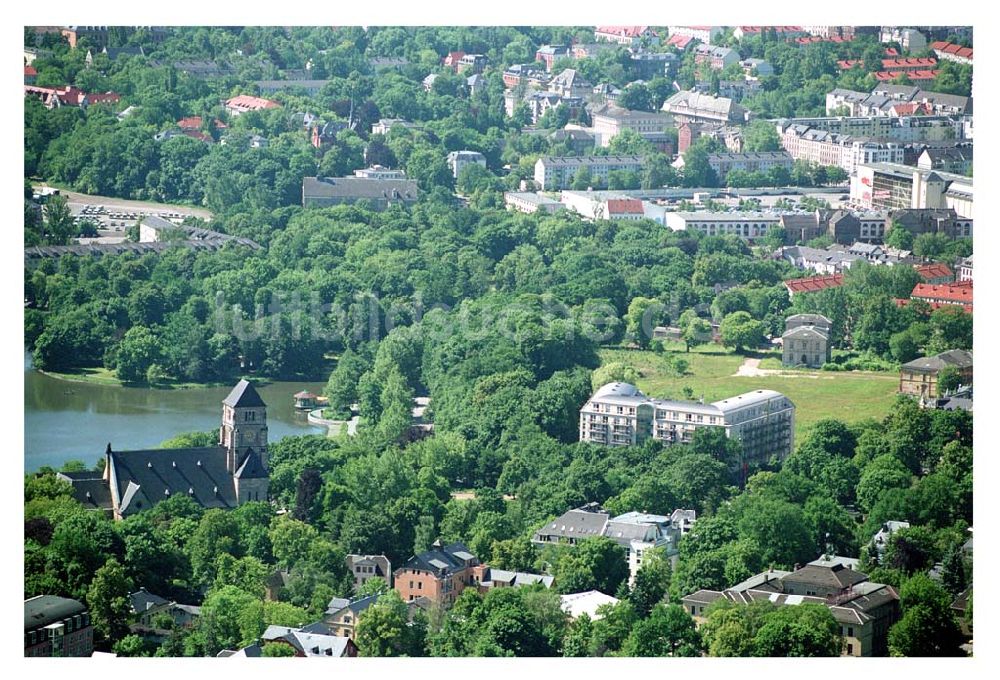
{"x":744,"y":225}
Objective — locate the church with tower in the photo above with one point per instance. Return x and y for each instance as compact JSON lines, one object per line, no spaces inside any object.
{"x":233,"y":472}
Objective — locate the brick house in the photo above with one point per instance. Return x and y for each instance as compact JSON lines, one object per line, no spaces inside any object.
{"x":57,"y":626}
{"x":439,"y":574}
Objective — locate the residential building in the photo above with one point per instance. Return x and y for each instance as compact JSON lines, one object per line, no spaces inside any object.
{"x":746,"y":225}
{"x":502,"y":578}
{"x":530,"y":202}
{"x":737,"y":90}
{"x":577,"y":604}
{"x":910,"y":39}
{"x":920,"y":376}
{"x":320,"y":192}
{"x":439,"y":574}
{"x":223,"y":476}
{"x":897,"y":128}
{"x":717,"y":58}
{"x":324,"y":133}
{"x":30,"y":75}
{"x":955,"y":159}
{"x":781,"y":32}
{"x":548,"y":54}
{"x":609,"y":120}
{"x":557,"y":172}
{"x":757,"y":67}
{"x":688,"y":106}
{"x":864,"y":611}
{"x":457,"y":160}
{"x":539,"y":103}
{"x":830,"y":31}
{"x":623,"y":35}
{"x":55,"y":97}
{"x":342,"y":615}
{"x":935,"y":273}
{"x":384,"y":125}
{"x":579,"y":141}
{"x":517,"y":74}
{"x":618,"y":414}
{"x":806,"y":341}
{"x":57,"y":626}
{"x":811,"y":284}
{"x":890,"y":186}
{"x":366,"y":567}
{"x":705,"y":34}
{"x":153,"y":229}
{"x":947,"y":51}
{"x":472,"y":63}
{"x":308,"y":643}
{"x":933,"y":221}
{"x":242,"y":103}
{"x":636,"y":532}
{"x":569,"y":83}
{"x":749,"y":161}
{"x":148,"y":608}
{"x":475,"y":83}
{"x":649,"y":65}
{"x":881,"y":538}
{"x":834,"y":149}
{"x":965,"y":269}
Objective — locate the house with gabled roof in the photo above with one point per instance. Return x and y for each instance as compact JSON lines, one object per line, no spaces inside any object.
{"x":439,"y":574}
{"x":366,"y":567}
{"x":229,"y":474}
{"x":920,"y":376}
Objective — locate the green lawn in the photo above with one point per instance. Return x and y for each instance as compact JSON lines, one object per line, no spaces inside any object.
{"x":846,"y":396}
{"x":99,"y":375}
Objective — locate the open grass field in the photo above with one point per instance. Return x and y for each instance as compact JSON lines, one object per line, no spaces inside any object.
{"x":846,"y":396}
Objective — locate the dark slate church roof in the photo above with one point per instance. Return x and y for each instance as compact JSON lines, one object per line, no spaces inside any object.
{"x":251,"y":467}
{"x":244,"y":396}
{"x":89,"y":489}
{"x":144,"y":478}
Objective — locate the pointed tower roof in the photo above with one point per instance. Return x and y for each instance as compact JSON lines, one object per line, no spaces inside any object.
{"x":243,"y":395}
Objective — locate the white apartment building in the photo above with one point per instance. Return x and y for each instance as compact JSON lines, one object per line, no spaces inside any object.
{"x":831,"y":148}
{"x":557,"y":172}
{"x":457,"y":160}
{"x":619,"y":414}
{"x":890,"y":186}
{"x":902,"y":129}
{"x":742,"y":224}
{"x":705,"y":34}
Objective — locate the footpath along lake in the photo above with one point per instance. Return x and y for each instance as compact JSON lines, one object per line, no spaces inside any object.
{"x":68,"y":420}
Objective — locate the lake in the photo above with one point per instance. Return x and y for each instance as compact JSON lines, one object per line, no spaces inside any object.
{"x":66,"y":420}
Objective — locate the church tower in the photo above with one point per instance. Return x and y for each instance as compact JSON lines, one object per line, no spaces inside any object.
{"x":243,"y":435}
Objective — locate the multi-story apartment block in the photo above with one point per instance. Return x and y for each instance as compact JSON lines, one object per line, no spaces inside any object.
{"x":889,"y":100}
{"x":619,"y":414}
{"x":570,"y":83}
{"x":439,"y":574}
{"x":57,"y":626}
{"x":557,"y":172}
{"x":749,"y":161}
{"x":831,"y":148}
{"x":947,"y":51}
{"x":539,"y":103}
{"x":609,"y":120}
{"x":745,"y":225}
{"x":910,"y":39}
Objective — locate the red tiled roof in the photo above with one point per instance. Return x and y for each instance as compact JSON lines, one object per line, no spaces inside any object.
{"x":777,"y":29}
{"x":814,"y":283}
{"x":912,"y":75}
{"x":891,"y":52}
{"x":199,"y":135}
{"x":453,"y":58}
{"x":624,"y":206}
{"x":889,"y":64}
{"x":30,"y":71}
{"x":189,"y":123}
{"x":626,"y":31}
{"x":967,"y":308}
{"x":250,"y":103}
{"x":935,"y":270}
{"x":952,"y":48}
{"x":680,"y":41}
{"x":957,"y":293}
{"x":104,"y":98}
{"x":846,"y":64}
